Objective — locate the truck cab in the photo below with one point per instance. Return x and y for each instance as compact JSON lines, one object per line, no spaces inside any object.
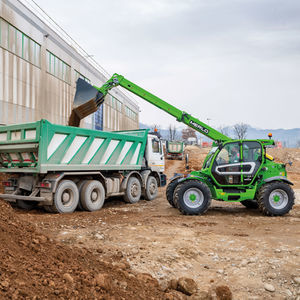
{"x":154,"y":154}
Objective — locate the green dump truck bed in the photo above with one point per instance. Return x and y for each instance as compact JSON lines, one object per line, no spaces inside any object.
{"x":41,"y":147}
{"x":175,"y":147}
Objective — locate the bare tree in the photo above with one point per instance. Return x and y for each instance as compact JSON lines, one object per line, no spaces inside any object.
{"x":298,"y":144}
{"x":240,"y":130}
{"x":224,"y":130}
{"x":172,"y":132}
{"x":187,"y":133}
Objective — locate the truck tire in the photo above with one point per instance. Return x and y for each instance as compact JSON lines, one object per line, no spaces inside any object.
{"x":80,"y":185}
{"x":92,"y":195}
{"x":170,"y":192}
{"x":251,"y":204}
{"x":27,"y":205}
{"x":192,"y":197}
{"x":151,"y":188}
{"x":276,"y":198}
{"x":66,"y":197}
{"x":133,"y":190}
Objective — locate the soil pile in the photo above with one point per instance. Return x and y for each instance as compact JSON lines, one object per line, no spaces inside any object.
{"x":32,"y":265}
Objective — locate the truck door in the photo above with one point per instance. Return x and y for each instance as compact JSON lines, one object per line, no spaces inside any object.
{"x":156,"y":160}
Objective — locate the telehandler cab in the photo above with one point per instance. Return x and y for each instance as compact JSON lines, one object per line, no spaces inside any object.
{"x":233,"y":171}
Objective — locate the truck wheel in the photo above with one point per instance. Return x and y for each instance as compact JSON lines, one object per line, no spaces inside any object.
{"x":80,"y":185}
{"x":133,"y":190}
{"x":251,"y":204}
{"x":27,"y":205}
{"x":170,"y":192}
{"x":151,"y":188}
{"x":66,"y":197}
{"x":275,"y":198}
{"x":192,"y":197}
{"x":92,"y":195}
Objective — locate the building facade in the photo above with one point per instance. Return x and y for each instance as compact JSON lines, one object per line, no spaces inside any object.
{"x":38,"y":73}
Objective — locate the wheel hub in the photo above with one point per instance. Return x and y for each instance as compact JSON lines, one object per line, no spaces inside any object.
{"x":134,"y":190}
{"x":65,"y":197}
{"x":94,"y":196}
{"x":278,"y":199}
{"x":193,"y":198}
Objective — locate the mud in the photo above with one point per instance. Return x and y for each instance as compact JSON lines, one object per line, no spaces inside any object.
{"x":228,"y":251}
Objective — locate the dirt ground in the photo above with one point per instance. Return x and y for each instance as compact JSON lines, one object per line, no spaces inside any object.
{"x":257,"y":257}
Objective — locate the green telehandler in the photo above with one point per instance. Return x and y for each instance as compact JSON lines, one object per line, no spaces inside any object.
{"x":233,"y":171}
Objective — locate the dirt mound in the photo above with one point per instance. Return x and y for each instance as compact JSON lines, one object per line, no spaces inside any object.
{"x":32,"y":265}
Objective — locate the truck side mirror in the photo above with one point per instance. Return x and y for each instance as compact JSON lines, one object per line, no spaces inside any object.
{"x":187,"y":162}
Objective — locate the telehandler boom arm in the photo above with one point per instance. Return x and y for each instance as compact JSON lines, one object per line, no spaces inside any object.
{"x":180,"y":115}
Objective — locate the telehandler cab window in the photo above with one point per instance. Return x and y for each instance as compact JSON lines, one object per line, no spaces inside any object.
{"x":227,"y":165}
{"x":252,"y":156}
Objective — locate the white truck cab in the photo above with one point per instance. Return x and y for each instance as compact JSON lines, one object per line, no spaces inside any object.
{"x":154,"y":154}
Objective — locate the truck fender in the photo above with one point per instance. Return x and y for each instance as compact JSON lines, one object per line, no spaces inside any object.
{"x":276,"y":178}
{"x":125,"y":180}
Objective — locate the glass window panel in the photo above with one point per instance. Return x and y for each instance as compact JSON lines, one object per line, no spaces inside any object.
{"x":25,"y":47}
{"x":19,"y":45}
{"x":12,"y":38}
{"x":32,"y":51}
{"x":52,"y":60}
{"x":38,"y":55}
{"x":58,"y":69}
{"x":4,"y":34}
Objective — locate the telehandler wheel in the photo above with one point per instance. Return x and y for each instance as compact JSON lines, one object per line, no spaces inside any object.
{"x":66,"y":197}
{"x":27,"y":205}
{"x":251,"y":204}
{"x":170,"y":192}
{"x":276,"y":198}
{"x":192,"y":197}
{"x":133,"y":190}
{"x":151,"y":188}
{"x":80,"y":185}
{"x":92,"y":195}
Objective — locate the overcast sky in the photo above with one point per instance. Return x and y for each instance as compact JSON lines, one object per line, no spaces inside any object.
{"x":225,"y":60}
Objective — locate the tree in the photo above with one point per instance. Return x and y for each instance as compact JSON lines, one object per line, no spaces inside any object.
{"x":240,"y":130}
{"x":187,"y":133}
{"x":172,"y":133}
{"x":224,"y":130}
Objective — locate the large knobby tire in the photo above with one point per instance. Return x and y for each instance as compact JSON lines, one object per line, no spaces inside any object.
{"x":151,"y":188}
{"x":27,"y":205}
{"x":170,"y":192}
{"x":251,"y":204}
{"x":66,"y":197}
{"x":80,"y":185}
{"x":92,"y":195}
{"x":275,"y":198}
{"x":133,"y":190}
{"x":192,"y":197}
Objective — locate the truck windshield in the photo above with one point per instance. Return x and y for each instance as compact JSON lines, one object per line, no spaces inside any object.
{"x":209,"y":157}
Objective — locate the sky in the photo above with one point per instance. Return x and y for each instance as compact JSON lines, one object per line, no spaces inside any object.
{"x":223,"y":61}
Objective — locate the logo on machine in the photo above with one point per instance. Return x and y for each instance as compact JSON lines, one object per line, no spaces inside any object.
{"x":204,"y":130}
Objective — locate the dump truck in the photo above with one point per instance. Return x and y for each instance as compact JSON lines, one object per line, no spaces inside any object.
{"x":174,"y":150}
{"x":63,"y":168}
{"x":235,"y":170}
